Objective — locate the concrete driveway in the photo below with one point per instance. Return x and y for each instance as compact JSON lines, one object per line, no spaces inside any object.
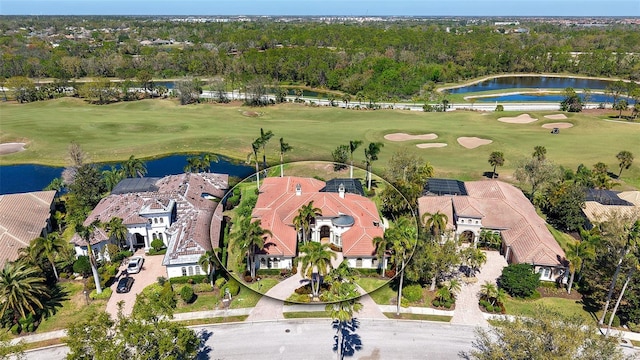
{"x":151,"y":270}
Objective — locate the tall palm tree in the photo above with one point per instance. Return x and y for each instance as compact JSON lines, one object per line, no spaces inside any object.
{"x":265,"y":136}
{"x":193,"y":164}
{"x":625,"y":159}
{"x":346,"y":98}
{"x":371,"y":155}
{"x":49,"y":248}
{"x":209,"y":260}
{"x":402,"y":237}
{"x":343,"y":303}
{"x":316,"y":263}
{"x":490,"y":292}
{"x":134,"y":167}
{"x":255,"y":147}
{"x":436,"y":223}
{"x":633,"y":267}
{"x":631,"y":237}
{"x":250,"y":239}
{"x":496,"y":158}
{"x":381,"y":244}
{"x":22,"y":289}
{"x":206,"y":159}
{"x":87,"y":233}
{"x":577,"y":252}
{"x":117,"y":229}
{"x":353,"y":145}
{"x":284,"y":148}
{"x":112,"y":177}
{"x":306,"y":215}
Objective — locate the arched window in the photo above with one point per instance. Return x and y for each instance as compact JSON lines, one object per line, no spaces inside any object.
{"x":197,"y":269}
{"x":190,"y":270}
{"x":155,"y":236}
{"x":161,"y":236}
{"x":359,"y":262}
{"x":155,"y":220}
{"x":184,"y":271}
{"x":161,"y":220}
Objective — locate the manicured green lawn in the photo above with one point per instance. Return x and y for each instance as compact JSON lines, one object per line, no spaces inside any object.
{"x":441,"y":318}
{"x":112,"y":133}
{"x":306,"y":314}
{"x":216,"y":320}
{"x":204,"y":301}
{"x":245,"y":299}
{"x":370,"y":284}
{"x":563,"y":239}
{"x":528,"y":308}
{"x":383,"y":295}
{"x":73,"y":309}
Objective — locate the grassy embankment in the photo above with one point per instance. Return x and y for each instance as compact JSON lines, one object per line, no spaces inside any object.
{"x":155,"y":127}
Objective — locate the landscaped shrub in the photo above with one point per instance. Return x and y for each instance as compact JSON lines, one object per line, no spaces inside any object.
{"x":200,"y":288}
{"x":220,"y":282}
{"x":499,"y":107}
{"x":186,"y":293}
{"x":616,"y":320}
{"x":118,"y":257}
{"x":105,"y":295}
{"x":82,"y":266}
{"x":303,"y":290}
{"x":404,"y":302}
{"x":267,"y":272}
{"x":367,"y":272}
{"x":390,"y":273}
{"x":15,"y":329}
{"x":194,"y":279}
{"x":157,"y":244}
{"x":233,"y":285}
{"x":111,"y":251}
{"x":161,"y":280}
{"x":157,"y":252}
{"x":413,"y":293}
{"x":519,"y":280}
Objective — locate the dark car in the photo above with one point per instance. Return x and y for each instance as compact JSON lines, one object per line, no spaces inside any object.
{"x":124,"y":285}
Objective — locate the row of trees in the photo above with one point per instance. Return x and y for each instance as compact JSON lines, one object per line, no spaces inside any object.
{"x":343,"y":154}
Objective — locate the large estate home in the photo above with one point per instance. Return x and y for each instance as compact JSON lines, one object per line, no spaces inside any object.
{"x":177,"y":209}
{"x":23,"y":217}
{"x":349,"y":220}
{"x":496,"y":206}
{"x":601,"y":204}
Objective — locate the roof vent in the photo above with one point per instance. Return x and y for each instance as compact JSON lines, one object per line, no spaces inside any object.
{"x":298,"y":189}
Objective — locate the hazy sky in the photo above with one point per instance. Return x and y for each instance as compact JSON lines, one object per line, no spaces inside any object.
{"x":324,"y":7}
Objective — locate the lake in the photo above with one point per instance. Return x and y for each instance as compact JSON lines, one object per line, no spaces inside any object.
{"x":594,"y":98}
{"x":532,"y":82}
{"x":29,"y":177}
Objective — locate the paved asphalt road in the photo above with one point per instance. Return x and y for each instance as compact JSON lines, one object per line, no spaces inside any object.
{"x":313,"y":339}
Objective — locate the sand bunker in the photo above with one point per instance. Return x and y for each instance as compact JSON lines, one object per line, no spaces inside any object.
{"x":556,"y":116}
{"x":9,"y":148}
{"x":473,"y":142}
{"x":431,"y":145}
{"x":560,"y":125}
{"x":522,"y":119}
{"x":405,"y":137}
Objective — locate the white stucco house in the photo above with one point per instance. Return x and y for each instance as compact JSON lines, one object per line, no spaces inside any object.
{"x":177,"y":209}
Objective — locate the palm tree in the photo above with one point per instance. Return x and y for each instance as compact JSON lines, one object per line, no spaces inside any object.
{"x":634,"y":266}
{"x":540,"y":153}
{"x":371,"y":155}
{"x":343,"y":303}
{"x":402,"y":237}
{"x":22,"y":289}
{"x":490,"y":292}
{"x":306,"y":215}
{"x":193,"y":164}
{"x":49,"y":248}
{"x":250,"y":239}
{"x":353,"y":145}
{"x":625,"y":159}
{"x":134,"y":167}
{"x":360,"y":97}
{"x":86,"y":233}
{"x":112,"y":177}
{"x":56,"y":184}
{"x":264,"y":139}
{"x":346,"y":98}
{"x":381,"y":245}
{"x":209,"y":260}
{"x":576,"y":252}
{"x":436,"y":223}
{"x":116,"y":229}
{"x":316,"y":263}
{"x":255,"y":147}
{"x":206,"y":159}
{"x":454,"y":287}
{"x":284,"y":148}
{"x":343,"y":273}
{"x":496,"y":158}
{"x":631,"y":238}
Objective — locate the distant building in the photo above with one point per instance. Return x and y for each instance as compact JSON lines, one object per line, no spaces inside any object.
{"x":500,"y":207}
{"x":23,"y":217}
{"x":179,"y":209}
{"x":601,"y":204}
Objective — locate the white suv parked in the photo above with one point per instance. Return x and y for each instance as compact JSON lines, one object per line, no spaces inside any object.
{"x":135,"y":265}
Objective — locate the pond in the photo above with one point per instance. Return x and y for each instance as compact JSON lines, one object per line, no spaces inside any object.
{"x":29,"y":177}
{"x":531,"y":82}
{"x":594,"y":98}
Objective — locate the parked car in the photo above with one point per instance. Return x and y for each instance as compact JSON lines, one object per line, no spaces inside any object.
{"x":135,"y":265}
{"x":124,"y":285}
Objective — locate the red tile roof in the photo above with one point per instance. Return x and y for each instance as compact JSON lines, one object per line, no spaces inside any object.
{"x":278,"y":204}
{"x":504,"y":207}
{"x":23,"y":217}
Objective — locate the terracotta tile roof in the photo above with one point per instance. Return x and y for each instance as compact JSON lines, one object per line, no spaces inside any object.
{"x":504,"y":207}
{"x":434,"y":204}
{"x":596,"y":212}
{"x":278,"y":204}
{"x":23,"y":217}
{"x":99,"y":235}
